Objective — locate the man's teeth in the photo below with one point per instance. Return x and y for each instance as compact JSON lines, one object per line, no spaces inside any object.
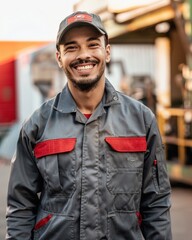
{"x":84,"y":67}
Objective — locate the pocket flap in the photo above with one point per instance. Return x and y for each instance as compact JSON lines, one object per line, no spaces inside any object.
{"x":54,"y":146}
{"x":127,"y":144}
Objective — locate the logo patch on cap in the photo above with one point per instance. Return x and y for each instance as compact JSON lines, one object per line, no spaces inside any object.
{"x":79,"y":17}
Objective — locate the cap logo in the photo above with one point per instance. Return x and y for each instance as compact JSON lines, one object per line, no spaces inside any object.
{"x":80,"y":17}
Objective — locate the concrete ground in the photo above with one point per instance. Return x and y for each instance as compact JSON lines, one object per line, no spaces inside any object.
{"x":181,"y":212}
{"x":181,"y":207}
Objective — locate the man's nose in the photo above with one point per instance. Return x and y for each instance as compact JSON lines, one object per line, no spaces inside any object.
{"x":83,"y":53}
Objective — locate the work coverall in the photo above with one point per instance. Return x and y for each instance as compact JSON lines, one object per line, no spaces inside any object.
{"x":91,"y":179}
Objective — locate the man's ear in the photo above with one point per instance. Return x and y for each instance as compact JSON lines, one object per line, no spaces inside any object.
{"x":58,"y":57}
{"x":108,"y":53}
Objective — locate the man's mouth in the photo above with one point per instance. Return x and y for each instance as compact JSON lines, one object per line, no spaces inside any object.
{"x":84,"y":67}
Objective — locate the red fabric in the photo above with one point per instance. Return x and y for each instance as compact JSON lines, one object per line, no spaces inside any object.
{"x":8,"y":100}
{"x":127,"y":144}
{"x":155,"y":162}
{"x":80,"y":17}
{"x":43,"y":221}
{"x":87,"y":115}
{"x":139,"y":217}
{"x":54,"y":146}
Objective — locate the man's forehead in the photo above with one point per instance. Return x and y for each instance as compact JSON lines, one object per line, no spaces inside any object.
{"x":88,"y":32}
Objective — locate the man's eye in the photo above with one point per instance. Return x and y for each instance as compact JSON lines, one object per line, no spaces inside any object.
{"x":70,"y":48}
{"x":93,"y":45}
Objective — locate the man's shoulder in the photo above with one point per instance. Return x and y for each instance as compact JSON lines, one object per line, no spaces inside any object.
{"x":130,"y":101}
{"x":44,"y":109}
{"x":41,"y":114}
{"x":135,"y":107}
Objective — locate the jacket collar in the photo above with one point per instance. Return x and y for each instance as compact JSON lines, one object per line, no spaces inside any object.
{"x":65,"y":103}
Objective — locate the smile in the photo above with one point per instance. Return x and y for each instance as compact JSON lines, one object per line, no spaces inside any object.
{"x":84,"y":67}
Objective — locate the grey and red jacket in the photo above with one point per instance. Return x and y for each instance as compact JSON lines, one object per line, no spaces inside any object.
{"x":91,"y":179}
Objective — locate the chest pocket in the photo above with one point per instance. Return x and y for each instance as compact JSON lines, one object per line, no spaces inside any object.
{"x":56,"y":160}
{"x":125,"y":159}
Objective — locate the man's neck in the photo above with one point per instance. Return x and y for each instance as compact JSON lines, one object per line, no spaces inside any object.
{"x":88,"y":101}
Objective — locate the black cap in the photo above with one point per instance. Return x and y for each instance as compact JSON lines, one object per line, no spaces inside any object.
{"x":80,"y":18}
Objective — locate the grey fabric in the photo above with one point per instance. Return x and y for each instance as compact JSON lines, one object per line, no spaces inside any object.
{"x":68,"y":182}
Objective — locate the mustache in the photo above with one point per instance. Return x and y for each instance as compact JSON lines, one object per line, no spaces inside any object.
{"x":81,"y":61}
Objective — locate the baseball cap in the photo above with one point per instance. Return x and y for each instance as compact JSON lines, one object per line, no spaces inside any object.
{"x":80,"y":18}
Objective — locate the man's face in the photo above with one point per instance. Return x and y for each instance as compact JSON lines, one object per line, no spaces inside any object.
{"x":83,"y":55}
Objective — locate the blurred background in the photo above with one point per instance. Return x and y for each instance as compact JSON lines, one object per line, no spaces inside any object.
{"x":151,"y":61}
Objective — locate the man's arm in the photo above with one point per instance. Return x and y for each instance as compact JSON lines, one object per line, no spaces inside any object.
{"x":24,"y":184}
{"x":155,"y":202}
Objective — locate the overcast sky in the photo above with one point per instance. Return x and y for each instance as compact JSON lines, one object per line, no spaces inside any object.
{"x":34,"y":20}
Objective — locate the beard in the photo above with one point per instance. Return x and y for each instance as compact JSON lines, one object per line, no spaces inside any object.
{"x":85,"y":85}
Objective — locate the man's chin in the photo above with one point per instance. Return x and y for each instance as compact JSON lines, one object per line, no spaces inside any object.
{"x":85,"y":85}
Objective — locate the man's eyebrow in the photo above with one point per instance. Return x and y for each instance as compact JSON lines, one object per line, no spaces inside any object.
{"x":69,"y":43}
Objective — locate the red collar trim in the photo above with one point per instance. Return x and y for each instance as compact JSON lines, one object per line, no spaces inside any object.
{"x":87,"y":115}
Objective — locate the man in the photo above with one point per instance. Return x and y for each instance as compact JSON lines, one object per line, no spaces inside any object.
{"x":89,"y":163}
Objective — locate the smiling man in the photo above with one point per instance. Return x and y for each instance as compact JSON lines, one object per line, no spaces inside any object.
{"x":83,"y":59}
{"x":90,"y":162}
{"x":83,"y":52}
